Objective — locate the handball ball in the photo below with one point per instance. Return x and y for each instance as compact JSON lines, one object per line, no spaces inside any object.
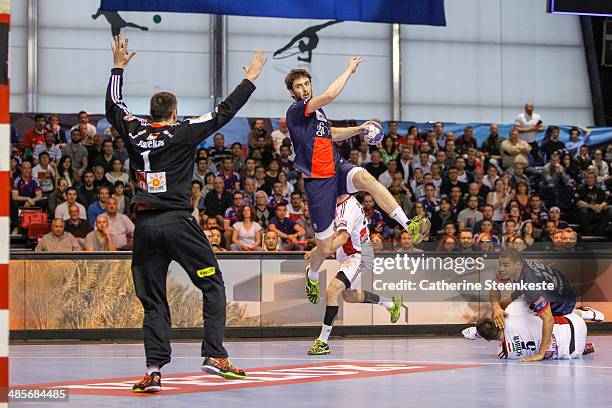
{"x":373,"y":133}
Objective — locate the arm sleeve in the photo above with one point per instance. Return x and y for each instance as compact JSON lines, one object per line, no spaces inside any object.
{"x":203,"y":126}
{"x":117,"y":112}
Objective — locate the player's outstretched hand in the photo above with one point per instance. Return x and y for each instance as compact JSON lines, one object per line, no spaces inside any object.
{"x":252,"y":71}
{"x":121,"y":56}
{"x":310,"y":253}
{"x":354,"y":63}
{"x":498,"y":317}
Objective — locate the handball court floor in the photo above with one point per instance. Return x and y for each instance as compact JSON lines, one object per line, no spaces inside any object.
{"x":360,"y":372}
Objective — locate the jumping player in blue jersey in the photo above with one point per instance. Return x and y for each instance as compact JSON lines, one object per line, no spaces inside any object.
{"x":326,"y":175}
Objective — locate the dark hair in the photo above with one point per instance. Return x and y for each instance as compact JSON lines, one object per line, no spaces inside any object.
{"x":72,"y":188}
{"x":43,"y":154}
{"x":240,"y":215}
{"x":39,"y":116}
{"x":82,"y":112}
{"x":295,"y":74}
{"x":75,"y":130}
{"x":237,"y":144}
{"x":118,"y":183}
{"x":296,"y":193}
{"x":198,"y":182}
{"x":201,"y":159}
{"x":487,"y":330}
{"x":281,"y":205}
{"x":512,"y":254}
{"x":104,"y":187}
{"x":162,"y":105}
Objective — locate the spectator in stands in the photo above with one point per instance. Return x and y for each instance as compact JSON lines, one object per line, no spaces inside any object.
{"x":536,"y":212}
{"x":101,"y":238}
{"x":452,"y":181}
{"x":54,"y":128}
{"x":462,"y":175}
{"x":450,"y":229}
{"x":601,"y":166}
{"x":95,"y":147}
{"x":26,"y":191}
{"x":286,"y":187}
{"x":386,"y":178}
{"x":249,"y":191}
{"x":417,"y":182}
{"x":215,"y":240}
{"x":364,"y":154}
{"x":515,"y":150}
{"x":271,"y":241}
{"x":447,"y":244}
{"x":491,"y":147}
{"x":514,"y":212}
{"x":287,"y":229}
{"x":34,"y":136}
{"x":474,"y":190}
{"x":554,"y":180}
{"x":61,"y":211}
{"x":451,"y":154}
{"x":376,"y":167}
{"x":261,"y":182}
{"x":57,"y":240}
{"x":117,"y":173}
{"x":227,"y":173}
{"x":52,"y":150}
{"x":594,"y":213}
{"x":584,"y":158}
{"x":64,"y":170}
{"x":553,"y":144}
{"x":120,"y":226}
{"x":473,"y":162}
{"x":238,"y":162}
{"x":576,"y":142}
{"x":258,"y":131}
{"x":499,"y":199}
{"x":388,"y":151}
{"x":279,"y":134}
{"x":404,"y":164}
{"x":487,"y":215}
{"x":442,"y":161}
{"x":119,"y":150}
{"x":549,"y":232}
{"x":262,"y":212}
{"x":377,"y":242}
{"x":277,"y":196}
{"x":490,"y":178}
{"x":99,"y":206}
{"x":456,"y":201}
{"x":218,"y":152}
{"x":483,"y":189}
{"x":78,"y":227}
{"x":441,"y":217}
{"x":527,"y":232}
{"x":406,"y":244}
{"x":466,"y":240}
{"x":518,"y":175}
{"x":100,"y":177}
{"x":287,"y":164}
{"x":429,"y":200}
{"x":439,"y":135}
{"x":201,"y":170}
{"x":197,"y":200}
{"x":422,"y":163}
{"x":107,"y":158}
{"x":484,"y":242}
{"x":486,"y":227}
{"x":466,"y":141}
{"x":554,"y":215}
{"x":45,"y":175}
{"x":295,"y":207}
{"x":84,"y":124}
{"x":230,"y":216}
{"x":468,"y":217}
{"x":571,"y":167}
{"x":272,"y":172}
{"x":262,"y":151}
{"x":528,"y":124}
{"x":217,"y":200}
{"x":122,"y":199}
{"x":246,"y":234}
{"x":249,"y":169}
{"x":77,"y":152}
{"x":517,"y":242}
{"x":58,"y":196}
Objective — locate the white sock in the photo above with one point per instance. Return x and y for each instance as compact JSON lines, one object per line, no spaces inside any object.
{"x":325,"y":332}
{"x":152,"y":369}
{"x":585,"y":314}
{"x":313,"y":275}
{"x":399,"y":216}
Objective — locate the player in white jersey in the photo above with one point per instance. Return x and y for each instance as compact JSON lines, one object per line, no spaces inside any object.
{"x":356,"y":256}
{"x":522,"y":333}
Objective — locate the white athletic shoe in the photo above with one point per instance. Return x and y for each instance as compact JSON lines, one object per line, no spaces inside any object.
{"x":470,"y":333}
{"x":598,"y":316}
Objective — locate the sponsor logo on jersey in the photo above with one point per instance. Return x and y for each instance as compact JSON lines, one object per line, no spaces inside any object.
{"x":134,"y":136}
{"x":203,"y":273}
{"x":518,"y":346}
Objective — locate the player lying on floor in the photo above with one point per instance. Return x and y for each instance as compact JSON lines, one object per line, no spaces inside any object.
{"x":521,"y":336}
{"x":354,"y":252}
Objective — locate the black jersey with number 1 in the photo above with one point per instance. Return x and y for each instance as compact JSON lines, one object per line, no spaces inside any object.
{"x":161,"y":157}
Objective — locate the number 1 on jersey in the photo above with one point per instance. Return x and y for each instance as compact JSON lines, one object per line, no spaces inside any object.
{"x":145,"y":159}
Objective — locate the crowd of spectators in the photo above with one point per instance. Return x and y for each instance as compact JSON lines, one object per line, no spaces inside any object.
{"x":506,"y":191}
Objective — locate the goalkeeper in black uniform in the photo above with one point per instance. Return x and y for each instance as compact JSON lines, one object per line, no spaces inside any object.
{"x":161,"y":165}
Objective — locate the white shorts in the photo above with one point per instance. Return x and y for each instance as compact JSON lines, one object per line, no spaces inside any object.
{"x":580,"y":335}
{"x":356,"y":265}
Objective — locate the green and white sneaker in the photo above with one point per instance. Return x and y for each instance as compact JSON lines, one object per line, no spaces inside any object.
{"x":312,"y":288}
{"x":418,"y":227}
{"x":395,"y":310}
{"x":319,"y":348}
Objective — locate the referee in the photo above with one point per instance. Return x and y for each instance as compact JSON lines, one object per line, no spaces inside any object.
{"x":161,"y":156}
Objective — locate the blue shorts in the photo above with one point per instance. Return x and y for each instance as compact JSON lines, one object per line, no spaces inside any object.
{"x":322,"y":195}
{"x":562,"y":308}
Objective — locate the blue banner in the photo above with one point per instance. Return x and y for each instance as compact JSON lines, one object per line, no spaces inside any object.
{"x":424,"y":12}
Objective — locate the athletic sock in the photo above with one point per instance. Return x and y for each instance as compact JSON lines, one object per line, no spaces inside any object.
{"x":330,"y":315}
{"x":399,"y":216}
{"x":585,"y":314}
{"x":313,"y":275}
{"x":152,"y":369}
{"x":325,"y":332}
{"x":369,"y":297}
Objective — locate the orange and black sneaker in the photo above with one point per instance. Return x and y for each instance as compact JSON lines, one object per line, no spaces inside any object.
{"x":222,"y":367}
{"x":149,"y":383}
{"x":588,"y":349}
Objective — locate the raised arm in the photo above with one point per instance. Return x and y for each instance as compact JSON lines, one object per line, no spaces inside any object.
{"x":332,"y":92}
